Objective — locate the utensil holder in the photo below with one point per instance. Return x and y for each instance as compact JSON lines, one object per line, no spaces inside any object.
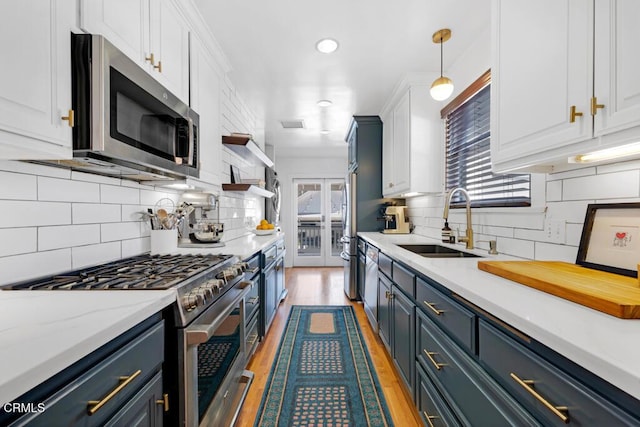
{"x":164,"y":241}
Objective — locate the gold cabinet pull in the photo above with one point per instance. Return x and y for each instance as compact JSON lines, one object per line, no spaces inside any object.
{"x":573,"y":114}
{"x":430,"y":355}
{"x":431,"y":306}
{"x":528,"y":386}
{"x":151,"y":59}
{"x":164,"y":402}
{"x":70,"y":118}
{"x":158,"y":67}
{"x":429,"y":418}
{"x":94,"y":405}
{"x":595,"y":106}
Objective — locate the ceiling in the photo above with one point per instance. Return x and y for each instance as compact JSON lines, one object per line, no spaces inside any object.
{"x":280,"y":75}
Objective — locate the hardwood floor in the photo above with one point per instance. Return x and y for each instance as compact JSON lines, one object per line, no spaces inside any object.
{"x":324,"y":286}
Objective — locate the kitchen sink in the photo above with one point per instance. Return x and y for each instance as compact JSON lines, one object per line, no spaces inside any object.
{"x":438,"y":251}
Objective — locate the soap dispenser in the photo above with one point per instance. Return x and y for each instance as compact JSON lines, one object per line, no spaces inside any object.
{"x":447,"y":234}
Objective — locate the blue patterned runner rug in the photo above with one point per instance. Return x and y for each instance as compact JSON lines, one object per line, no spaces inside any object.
{"x":322,"y":374}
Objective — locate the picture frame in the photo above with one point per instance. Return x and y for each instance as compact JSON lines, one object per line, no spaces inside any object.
{"x":235,"y":175}
{"x":610,"y":238}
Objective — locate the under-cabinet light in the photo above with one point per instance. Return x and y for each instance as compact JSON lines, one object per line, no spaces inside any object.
{"x":607,"y":154}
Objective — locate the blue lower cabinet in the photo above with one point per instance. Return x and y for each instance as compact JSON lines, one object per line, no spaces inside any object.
{"x":553,"y":396}
{"x":433,"y":410}
{"x":145,"y":409}
{"x":124,"y":386}
{"x":402,"y":320}
{"x":474,"y":397}
{"x":384,"y":311}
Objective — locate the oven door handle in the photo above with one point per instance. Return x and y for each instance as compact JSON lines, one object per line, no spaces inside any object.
{"x":200,"y":334}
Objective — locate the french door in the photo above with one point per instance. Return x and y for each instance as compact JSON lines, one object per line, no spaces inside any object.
{"x":318,"y":205}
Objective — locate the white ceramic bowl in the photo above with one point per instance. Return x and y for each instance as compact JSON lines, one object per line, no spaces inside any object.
{"x":263,"y":232}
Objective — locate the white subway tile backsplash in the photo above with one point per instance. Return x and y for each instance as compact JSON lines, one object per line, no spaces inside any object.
{"x":119,"y":195}
{"x":551,"y":252}
{"x":573,"y":212}
{"x":67,"y":236}
{"x":93,"y":213}
{"x":133,"y":213}
{"x":618,"y":167}
{"x":554,"y":191}
{"x":516,"y":247}
{"x":605,"y":186}
{"x":64,"y":190}
{"x":85,"y":256}
{"x":572,"y":174}
{"x":14,"y":241}
{"x":28,"y":266}
{"x":133,"y":247}
{"x":18,"y":186}
{"x":33,"y":213}
{"x":574,"y":234}
{"x":120,"y":231}
{"x":34,"y":169}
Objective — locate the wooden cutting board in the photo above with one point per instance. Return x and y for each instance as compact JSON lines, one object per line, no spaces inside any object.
{"x":606,"y":292}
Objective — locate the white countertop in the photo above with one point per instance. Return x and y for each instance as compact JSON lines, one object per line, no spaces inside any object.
{"x":44,"y":332}
{"x":603,"y":344}
{"x":243,"y":247}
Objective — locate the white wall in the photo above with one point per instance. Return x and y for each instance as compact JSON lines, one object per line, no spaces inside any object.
{"x":55,"y":220}
{"x":560,"y":196}
{"x":305,"y":166}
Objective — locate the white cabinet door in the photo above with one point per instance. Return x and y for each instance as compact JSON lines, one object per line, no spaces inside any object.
{"x":542,"y":66}
{"x":170,"y":45}
{"x":387,"y":154}
{"x":205,"y":100}
{"x":153,"y":33}
{"x":125,"y":23}
{"x":35,"y":89}
{"x":402,"y":144}
{"x":617,"y":65}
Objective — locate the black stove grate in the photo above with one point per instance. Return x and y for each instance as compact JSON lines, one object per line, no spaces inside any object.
{"x":139,"y":272}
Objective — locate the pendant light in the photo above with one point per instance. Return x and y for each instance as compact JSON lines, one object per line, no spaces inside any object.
{"x":442,"y":87}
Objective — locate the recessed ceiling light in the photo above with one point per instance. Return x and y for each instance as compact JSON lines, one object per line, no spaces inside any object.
{"x":325,"y":131}
{"x":324,"y":103}
{"x":327,"y":45}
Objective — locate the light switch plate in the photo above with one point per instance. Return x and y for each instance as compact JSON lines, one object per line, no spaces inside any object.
{"x":555,"y":230}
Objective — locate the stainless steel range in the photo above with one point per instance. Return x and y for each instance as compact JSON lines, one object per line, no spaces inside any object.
{"x":205,"y":349}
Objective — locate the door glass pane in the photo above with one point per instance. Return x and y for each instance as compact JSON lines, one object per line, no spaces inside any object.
{"x":337,"y":205}
{"x":309,"y":200}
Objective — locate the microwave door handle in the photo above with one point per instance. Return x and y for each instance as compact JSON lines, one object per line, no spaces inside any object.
{"x":191,"y":141}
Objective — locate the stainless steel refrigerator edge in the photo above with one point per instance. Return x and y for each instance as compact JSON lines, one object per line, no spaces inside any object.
{"x":362,"y":193}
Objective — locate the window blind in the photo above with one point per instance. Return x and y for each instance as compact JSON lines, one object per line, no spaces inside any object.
{"x":468,"y":158}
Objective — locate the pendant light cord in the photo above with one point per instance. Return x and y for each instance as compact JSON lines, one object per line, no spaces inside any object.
{"x":441,"y":56}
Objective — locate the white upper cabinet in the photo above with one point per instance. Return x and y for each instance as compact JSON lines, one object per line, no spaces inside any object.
{"x":151,"y":32}
{"x":35,"y":91}
{"x":412,"y":141}
{"x":617,"y":69}
{"x":547,"y":73}
{"x":205,"y":99}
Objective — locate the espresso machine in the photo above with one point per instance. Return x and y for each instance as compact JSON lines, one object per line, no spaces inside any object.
{"x":396,"y":220}
{"x":200,"y":224}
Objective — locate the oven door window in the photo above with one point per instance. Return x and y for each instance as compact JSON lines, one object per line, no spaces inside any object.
{"x":142,"y":121}
{"x":216,"y":357}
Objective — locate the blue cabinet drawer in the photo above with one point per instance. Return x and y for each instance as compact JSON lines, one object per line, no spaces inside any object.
{"x":474,"y":397}
{"x":269,"y":256}
{"x":433,"y":410}
{"x":97,"y":395}
{"x":542,"y":387}
{"x":385,"y":264}
{"x":448,"y":314}
{"x":146,"y":408}
{"x":404,"y":279}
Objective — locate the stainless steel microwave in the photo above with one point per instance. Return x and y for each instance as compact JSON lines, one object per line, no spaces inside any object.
{"x":126,"y":123}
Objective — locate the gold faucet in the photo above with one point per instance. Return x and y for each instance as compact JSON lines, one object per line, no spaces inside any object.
{"x":468,"y":238}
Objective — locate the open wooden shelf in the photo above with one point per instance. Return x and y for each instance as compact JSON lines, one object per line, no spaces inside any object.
{"x":246,"y":148}
{"x":248,"y":188}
